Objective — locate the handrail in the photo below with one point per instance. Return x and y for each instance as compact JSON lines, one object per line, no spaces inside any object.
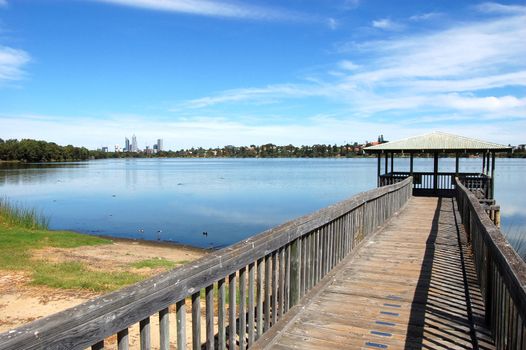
{"x":500,"y":270}
{"x":294,"y":255}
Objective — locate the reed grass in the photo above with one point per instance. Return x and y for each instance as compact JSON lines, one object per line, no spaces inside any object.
{"x":14,"y":214}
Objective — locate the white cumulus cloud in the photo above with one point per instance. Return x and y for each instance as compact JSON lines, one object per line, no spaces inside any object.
{"x":12,"y":62}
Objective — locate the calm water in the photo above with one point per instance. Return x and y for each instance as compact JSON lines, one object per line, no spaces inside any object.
{"x":230,"y":199}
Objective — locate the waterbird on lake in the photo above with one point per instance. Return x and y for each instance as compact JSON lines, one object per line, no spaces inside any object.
{"x":141,"y":230}
{"x":205,"y":233}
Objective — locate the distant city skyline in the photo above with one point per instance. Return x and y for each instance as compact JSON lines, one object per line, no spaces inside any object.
{"x":222,"y":72}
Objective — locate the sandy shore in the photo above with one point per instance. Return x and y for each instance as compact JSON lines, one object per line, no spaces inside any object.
{"x":21,"y":302}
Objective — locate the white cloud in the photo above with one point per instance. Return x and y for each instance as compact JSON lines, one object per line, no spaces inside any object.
{"x":386,"y":24}
{"x":448,"y":71}
{"x":493,"y":7}
{"x":348,"y":65}
{"x":425,"y":16}
{"x":214,"y":8}
{"x":332,"y":23}
{"x":11,"y":63}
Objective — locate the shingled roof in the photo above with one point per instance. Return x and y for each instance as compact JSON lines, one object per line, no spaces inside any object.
{"x":437,"y":142}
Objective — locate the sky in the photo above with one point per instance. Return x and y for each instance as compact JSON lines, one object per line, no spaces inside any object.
{"x":218,"y":72}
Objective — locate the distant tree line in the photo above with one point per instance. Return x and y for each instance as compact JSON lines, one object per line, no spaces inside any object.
{"x":27,"y":150}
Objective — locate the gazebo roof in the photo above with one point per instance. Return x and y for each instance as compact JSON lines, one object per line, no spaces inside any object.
{"x":438,"y":142}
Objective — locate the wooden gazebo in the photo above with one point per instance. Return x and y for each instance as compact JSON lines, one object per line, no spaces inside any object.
{"x":437,"y":183}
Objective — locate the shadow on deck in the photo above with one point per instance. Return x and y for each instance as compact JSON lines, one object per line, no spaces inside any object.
{"x":413,"y":285}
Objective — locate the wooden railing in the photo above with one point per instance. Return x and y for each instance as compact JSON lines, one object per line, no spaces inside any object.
{"x":424,"y":182}
{"x":500,"y":270}
{"x":266,"y":275}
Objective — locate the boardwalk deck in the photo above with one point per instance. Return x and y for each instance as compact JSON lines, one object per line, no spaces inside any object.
{"x":411,"y":286}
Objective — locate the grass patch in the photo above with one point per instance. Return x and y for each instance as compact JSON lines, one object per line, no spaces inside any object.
{"x":73,"y":275}
{"x":154,"y":263}
{"x":14,"y":214}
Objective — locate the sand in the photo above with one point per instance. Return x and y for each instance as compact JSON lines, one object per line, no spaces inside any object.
{"x":21,"y":302}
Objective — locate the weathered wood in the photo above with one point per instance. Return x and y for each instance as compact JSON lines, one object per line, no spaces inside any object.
{"x":274,"y":298}
{"x":210,"y":333}
{"x":251,"y":305}
{"x":145,"y":339}
{"x":196,"y":320}
{"x":259,"y":312}
{"x":422,"y":296}
{"x":221,"y":314}
{"x":180,"y":314}
{"x":123,"y":340}
{"x":242,"y":307}
{"x":164,"y":329}
{"x":268,"y":287}
{"x":232,"y":325}
{"x":295,"y":256}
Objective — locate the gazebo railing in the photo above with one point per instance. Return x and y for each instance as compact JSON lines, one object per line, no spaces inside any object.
{"x":424,"y":182}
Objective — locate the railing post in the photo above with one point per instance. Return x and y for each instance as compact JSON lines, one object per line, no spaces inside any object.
{"x":295,"y":252}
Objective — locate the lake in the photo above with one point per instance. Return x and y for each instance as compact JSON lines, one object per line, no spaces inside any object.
{"x":179,"y":200}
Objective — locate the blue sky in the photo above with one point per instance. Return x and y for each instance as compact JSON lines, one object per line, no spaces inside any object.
{"x":216,"y":72}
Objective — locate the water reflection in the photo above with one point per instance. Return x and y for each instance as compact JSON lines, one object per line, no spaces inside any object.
{"x":230,"y":199}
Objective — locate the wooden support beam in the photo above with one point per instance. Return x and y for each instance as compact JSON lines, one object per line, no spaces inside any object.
{"x":483,"y":163}
{"x":386,"y":163}
{"x":392,"y":162}
{"x":411,"y":156}
{"x":435,"y":173}
{"x":378,"y":172}
{"x":492,"y":180}
{"x":456,"y":164}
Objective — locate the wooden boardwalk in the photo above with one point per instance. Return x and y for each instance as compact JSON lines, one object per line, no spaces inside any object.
{"x":410,"y":286}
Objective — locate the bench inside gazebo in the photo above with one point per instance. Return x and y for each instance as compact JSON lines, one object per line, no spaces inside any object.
{"x":439,"y":145}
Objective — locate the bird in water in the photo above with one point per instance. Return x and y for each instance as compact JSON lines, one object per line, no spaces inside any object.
{"x":141,"y":230}
{"x":205,"y":233}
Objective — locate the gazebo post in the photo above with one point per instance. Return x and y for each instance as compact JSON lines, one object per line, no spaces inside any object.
{"x":378,"y":172}
{"x":492,"y":193}
{"x":435,"y":173}
{"x":456,"y":164}
{"x":487,"y":164}
{"x":411,"y":163}
{"x":386,"y":164}
{"x":392,"y":162}
{"x":483,"y":163}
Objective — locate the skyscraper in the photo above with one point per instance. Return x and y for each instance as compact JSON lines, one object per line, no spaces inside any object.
{"x":159,"y":145}
{"x":126,"y":144}
{"x":134,"y":147}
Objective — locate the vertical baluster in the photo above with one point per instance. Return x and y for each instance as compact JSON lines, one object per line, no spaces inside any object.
{"x":232,"y":291}
{"x":268,"y":281}
{"x":196,"y":320}
{"x":259,"y":313}
{"x":221,"y":314}
{"x":164,"y":329}
{"x":303,"y":267}
{"x":210,"y":333}
{"x":287,"y":278}
{"x":274,"y":303}
{"x":122,"y":340}
{"x":295,"y":256}
{"x":242,"y":307}
{"x":144,"y":326}
{"x":251,"y":325}
{"x":281,"y":282}
{"x":181,"y":324}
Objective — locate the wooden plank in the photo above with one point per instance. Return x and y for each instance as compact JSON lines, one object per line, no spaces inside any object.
{"x":210,"y":333}
{"x":221,"y":314}
{"x":414,"y":299}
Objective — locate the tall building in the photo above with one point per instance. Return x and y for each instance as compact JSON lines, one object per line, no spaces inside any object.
{"x":159,"y":145}
{"x":126,"y":144}
{"x":134,"y":147}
